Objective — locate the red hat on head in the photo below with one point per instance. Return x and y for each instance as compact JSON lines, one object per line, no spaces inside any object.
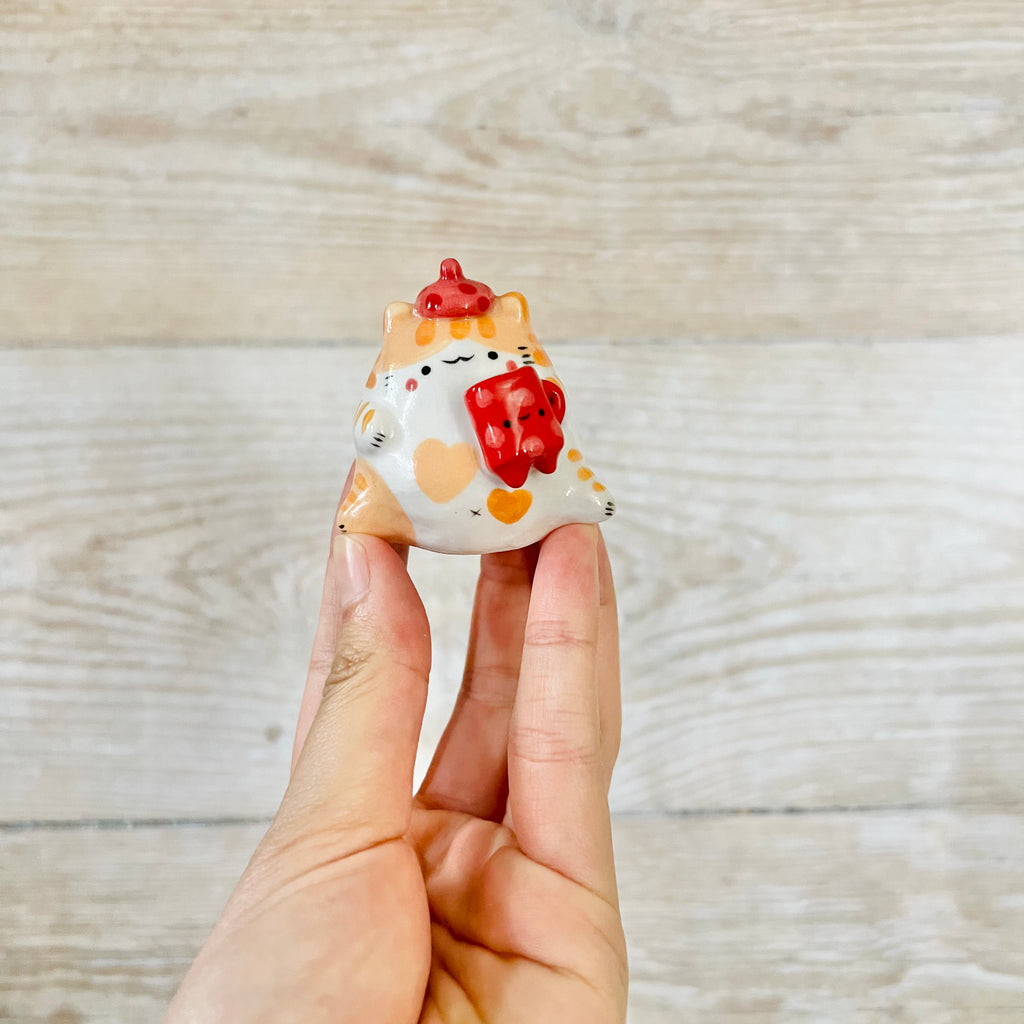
{"x":451,"y":295}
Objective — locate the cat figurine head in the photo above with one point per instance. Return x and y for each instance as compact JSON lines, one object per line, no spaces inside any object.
{"x":463,"y":440}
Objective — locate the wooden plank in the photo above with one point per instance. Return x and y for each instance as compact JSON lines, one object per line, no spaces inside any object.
{"x":848,"y":917}
{"x":863,"y":917}
{"x":100,"y":925}
{"x":274,"y":171}
{"x":820,"y":560}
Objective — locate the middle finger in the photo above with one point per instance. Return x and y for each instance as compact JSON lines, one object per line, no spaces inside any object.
{"x":469,"y":771}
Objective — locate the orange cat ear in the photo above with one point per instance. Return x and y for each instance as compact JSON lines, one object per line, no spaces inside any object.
{"x":512,"y":306}
{"x":395,"y":315}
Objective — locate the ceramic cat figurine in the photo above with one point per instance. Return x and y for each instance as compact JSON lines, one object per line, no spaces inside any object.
{"x":463,"y":438}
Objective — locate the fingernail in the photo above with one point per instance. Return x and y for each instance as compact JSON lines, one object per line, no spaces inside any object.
{"x":349,"y":557}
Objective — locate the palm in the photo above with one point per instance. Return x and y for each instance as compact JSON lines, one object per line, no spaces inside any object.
{"x":511,"y":940}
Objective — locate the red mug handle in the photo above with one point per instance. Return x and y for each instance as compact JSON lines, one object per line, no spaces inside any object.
{"x":556,"y":396}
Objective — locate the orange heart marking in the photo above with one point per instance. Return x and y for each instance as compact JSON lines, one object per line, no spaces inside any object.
{"x":444,"y":471}
{"x":509,"y":506}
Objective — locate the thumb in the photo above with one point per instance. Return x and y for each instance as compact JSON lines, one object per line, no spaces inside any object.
{"x":355,"y":744}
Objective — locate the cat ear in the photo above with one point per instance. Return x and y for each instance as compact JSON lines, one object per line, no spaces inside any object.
{"x":396,"y":314}
{"x":512,"y":306}
{"x":400,"y":346}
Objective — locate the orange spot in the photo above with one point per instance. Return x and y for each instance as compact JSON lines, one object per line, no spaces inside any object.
{"x":358,"y":486}
{"x":598,"y":488}
{"x":584,"y":474}
{"x":460,"y":328}
{"x":371,"y":381}
{"x":541,"y":357}
{"x":575,"y":455}
{"x":425,"y":332}
{"x":509,"y":506}
{"x":367,"y":418}
{"x":359,"y":411}
{"x":486,"y":327}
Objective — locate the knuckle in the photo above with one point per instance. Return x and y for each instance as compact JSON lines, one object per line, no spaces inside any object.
{"x":365,"y":662}
{"x":350,"y":665}
{"x":558,"y":633}
{"x":563,"y":738}
{"x":493,"y":686}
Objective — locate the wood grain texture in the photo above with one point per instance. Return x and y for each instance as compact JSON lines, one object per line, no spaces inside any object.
{"x":820,"y":549}
{"x":263,"y":171}
{"x":825,"y":918}
{"x":820,"y":557}
{"x":851,"y":918}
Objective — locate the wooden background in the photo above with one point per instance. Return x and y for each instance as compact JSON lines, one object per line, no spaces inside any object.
{"x":777,"y":251}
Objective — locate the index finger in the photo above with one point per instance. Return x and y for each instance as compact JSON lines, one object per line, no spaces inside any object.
{"x":608,"y":683}
{"x":558,"y":795}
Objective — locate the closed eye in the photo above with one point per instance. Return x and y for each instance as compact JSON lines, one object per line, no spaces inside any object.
{"x":457,"y":359}
{"x":526,"y":417}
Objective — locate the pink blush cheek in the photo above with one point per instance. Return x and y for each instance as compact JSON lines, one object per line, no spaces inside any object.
{"x":411,"y":384}
{"x":511,"y":365}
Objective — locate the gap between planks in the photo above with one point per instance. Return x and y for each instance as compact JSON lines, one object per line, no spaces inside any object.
{"x":370,"y":341}
{"x":127,"y":824}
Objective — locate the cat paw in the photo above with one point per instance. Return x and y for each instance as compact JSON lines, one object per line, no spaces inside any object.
{"x":374,"y":428}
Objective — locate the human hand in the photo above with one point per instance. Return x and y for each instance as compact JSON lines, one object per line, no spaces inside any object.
{"x":488,"y":896}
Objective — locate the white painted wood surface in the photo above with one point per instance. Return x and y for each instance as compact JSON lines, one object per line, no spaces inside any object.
{"x":266,"y":170}
{"x":820,"y":556}
{"x":776,"y":251}
{"x":856,"y":917}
